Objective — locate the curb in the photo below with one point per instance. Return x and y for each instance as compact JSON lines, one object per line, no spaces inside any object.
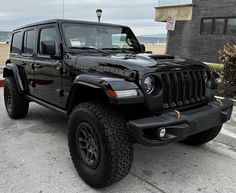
{"x":234,"y":101}
{"x":2,"y":82}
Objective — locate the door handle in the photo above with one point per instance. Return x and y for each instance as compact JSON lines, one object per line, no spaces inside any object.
{"x":23,"y":63}
{"x":36,"y":66}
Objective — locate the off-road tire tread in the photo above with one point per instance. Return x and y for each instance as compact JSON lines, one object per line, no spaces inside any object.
{"x":20,"y":104}
{"x":120,"y":149}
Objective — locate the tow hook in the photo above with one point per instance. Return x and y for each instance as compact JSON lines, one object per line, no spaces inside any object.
{"x":220,"y":102}
{"x":177,"y":114}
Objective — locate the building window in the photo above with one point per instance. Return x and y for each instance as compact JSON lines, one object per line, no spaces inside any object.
{"x":206,"y":26}
{"x":218,"y":26}
{"x":231,"y":26}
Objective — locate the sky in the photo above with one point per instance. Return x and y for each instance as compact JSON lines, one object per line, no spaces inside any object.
{"x":137,"y":14}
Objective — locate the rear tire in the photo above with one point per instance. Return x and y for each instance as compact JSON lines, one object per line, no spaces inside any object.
{"x":16,"y":104}
{"x":99,"y":145}
{"x":203,"y":137}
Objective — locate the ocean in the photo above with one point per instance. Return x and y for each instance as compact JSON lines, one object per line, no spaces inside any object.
{"x":152,"y":39}
{"x":5,"y":36}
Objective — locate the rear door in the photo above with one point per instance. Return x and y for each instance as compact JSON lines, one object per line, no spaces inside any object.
{"x":22,"y":54}
{"x":27,"y":57}
{"x":47,"y":76}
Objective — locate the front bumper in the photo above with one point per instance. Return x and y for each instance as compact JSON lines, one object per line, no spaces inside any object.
{"x":144,"y":131}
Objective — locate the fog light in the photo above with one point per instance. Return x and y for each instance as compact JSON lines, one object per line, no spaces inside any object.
{"x":161,"y":133}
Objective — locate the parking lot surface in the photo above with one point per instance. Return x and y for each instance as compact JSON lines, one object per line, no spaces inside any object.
{"x":34,"y":158}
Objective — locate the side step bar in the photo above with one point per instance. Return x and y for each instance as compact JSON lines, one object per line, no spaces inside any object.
{"x":47,"y":105}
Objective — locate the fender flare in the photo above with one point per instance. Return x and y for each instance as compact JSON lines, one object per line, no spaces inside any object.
{"x":12,"y":70}
{"x":103,"y":83}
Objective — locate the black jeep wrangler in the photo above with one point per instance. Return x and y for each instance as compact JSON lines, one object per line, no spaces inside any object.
{"x":114,"y":93}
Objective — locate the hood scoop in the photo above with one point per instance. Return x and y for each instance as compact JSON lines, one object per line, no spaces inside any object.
{"x":161,"y":57}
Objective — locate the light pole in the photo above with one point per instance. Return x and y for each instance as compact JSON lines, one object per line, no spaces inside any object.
{"x":99,"y":14}
{"x":63,"y":9}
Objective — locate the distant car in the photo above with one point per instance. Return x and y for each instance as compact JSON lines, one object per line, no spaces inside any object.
{"x":114,"y":93}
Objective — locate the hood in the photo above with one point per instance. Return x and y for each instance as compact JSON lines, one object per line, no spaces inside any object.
{"x":141,"y":63}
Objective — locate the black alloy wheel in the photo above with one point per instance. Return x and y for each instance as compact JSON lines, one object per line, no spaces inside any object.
{"x":88,"y":145}
{"x":16,"y":103}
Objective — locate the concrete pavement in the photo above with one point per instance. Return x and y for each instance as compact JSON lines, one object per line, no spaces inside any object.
{"x":34,"y":158}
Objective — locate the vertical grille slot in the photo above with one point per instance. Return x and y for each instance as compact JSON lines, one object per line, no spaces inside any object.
{"x":165,"y":91}
{"x":173,"y":90}
{"x":187,"y":88}
{"x":199,"y":80}
{"x":180,"y":90}
{"x":195,"y":85}
{"x":203,"y":84}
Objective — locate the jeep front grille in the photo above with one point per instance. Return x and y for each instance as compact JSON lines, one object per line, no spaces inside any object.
{"x":183,"y":88}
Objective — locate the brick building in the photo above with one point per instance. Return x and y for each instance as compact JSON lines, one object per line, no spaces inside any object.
{"x":202,"y":27}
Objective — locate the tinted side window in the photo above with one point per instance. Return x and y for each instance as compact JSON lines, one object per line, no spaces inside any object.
{"x":48,"y":34}
{"x":29,"y":41}
{"x":16,"y":42}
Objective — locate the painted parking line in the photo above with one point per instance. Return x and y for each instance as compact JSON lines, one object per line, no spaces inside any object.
{"x":228,"y":133}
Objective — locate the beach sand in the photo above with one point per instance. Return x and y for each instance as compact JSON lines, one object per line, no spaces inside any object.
{"x":156,"y":48}
{"x":4,"y":51}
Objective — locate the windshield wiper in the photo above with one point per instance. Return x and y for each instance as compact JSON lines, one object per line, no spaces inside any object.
{"x":121,"y":49}
{"x":89,"y":48}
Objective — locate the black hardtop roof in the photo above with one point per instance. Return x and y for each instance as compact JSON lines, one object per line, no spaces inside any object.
{"x":67,"y":21}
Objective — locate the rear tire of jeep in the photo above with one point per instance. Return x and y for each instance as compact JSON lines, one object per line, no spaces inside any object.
{"x":17,"y":105}
{"x":203,"y":137}
{"x":99,"y":144}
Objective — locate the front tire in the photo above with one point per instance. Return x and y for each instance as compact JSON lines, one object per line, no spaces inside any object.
{"x":203,"y":137}
{"x":17,"y":105}
{"x":99,"y":144}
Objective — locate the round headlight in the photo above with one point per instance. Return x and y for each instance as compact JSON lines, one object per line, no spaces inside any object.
{"x":149,"y":84}
{"x":219,"y":80}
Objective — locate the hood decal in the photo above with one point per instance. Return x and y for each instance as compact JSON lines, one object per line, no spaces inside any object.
{"x":119,"y":71}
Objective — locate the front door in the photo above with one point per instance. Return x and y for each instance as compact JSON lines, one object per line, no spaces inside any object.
{"x":47,"y":76}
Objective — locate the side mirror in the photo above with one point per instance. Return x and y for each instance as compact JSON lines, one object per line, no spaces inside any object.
{"x":143,"y":49}
{"x":48,"y":48}
{"x":52,"y":49}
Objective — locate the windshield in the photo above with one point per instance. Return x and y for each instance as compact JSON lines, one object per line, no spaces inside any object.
{"x":78,"y":36}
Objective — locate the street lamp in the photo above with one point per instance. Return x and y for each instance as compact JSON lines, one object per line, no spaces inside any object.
{"x":99,"y":14}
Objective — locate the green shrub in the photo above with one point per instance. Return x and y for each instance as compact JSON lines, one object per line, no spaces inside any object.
{"x":228,"y":57}
{"x":218,"y":68}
